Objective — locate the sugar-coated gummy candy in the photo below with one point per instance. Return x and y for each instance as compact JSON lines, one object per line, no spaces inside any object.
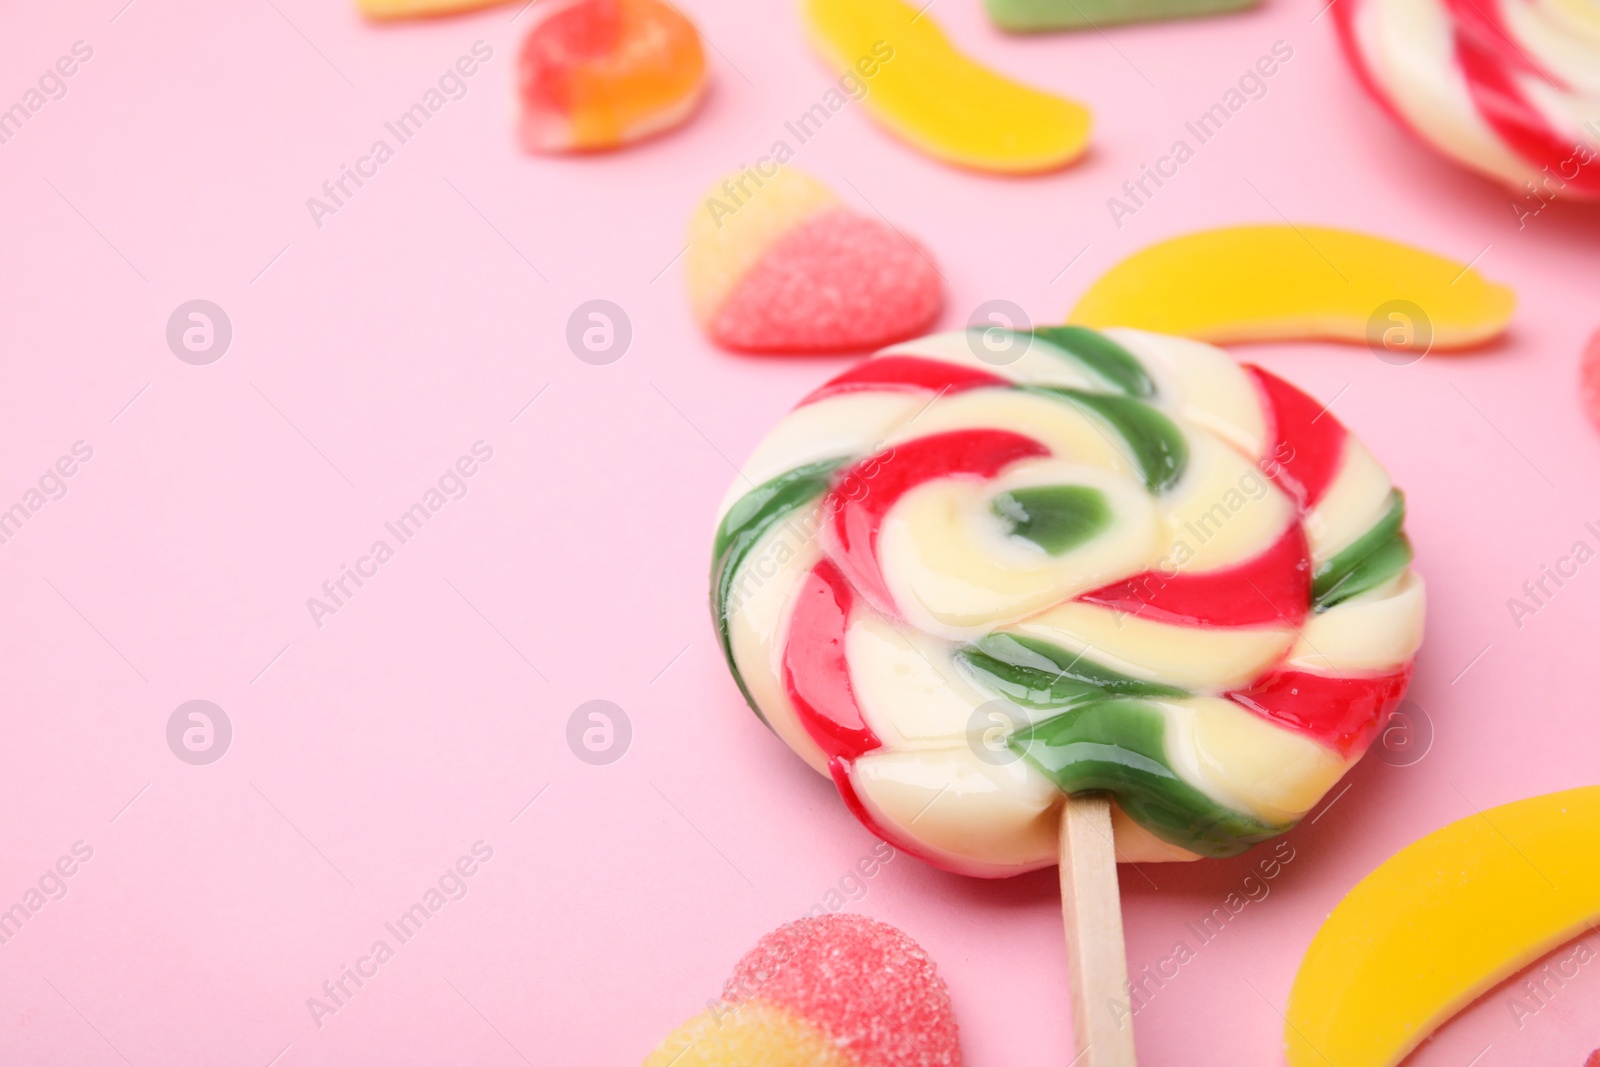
{"x":1285,"y":282}
{"x":1026,"y":16}
{"x":982,"y":571}
{"x":597,"y":74}
{"x":777,"y":264}
{"x":833,"y":991}
{"x":1509,"y":88}
{"x":943,"y":103}
{"x":1589,"y":379}
{"x":755,"y":1034}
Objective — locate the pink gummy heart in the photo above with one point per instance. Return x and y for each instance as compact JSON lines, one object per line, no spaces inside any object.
{"x":837,"y":282}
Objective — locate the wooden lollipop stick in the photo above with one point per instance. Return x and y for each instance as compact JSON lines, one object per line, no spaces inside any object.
{"x":1092,"y":908}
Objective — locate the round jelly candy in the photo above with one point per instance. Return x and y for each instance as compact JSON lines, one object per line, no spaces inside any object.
{"x":596,"y":74}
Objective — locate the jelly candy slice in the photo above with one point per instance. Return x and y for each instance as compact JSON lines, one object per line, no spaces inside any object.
{"x":1286,"y":283}
{"x":938,"y":100}
{"x":400,"y":9}
{"x":1391,"y":963}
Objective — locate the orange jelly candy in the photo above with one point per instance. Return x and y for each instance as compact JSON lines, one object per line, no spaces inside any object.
{"x":597,"y":74}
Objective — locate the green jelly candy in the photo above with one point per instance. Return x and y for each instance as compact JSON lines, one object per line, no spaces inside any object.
{"x":1028,"y":16}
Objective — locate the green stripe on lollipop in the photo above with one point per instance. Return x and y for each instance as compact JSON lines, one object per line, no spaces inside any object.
{"x":1155,"y":444}
{"x":1100,"y":354}
{"x":1119,"y":747}
{"x":746,"y":523}
{"x":1054,"y":517}
{"x":1038,"y":674}
{"x":1372,"y":559}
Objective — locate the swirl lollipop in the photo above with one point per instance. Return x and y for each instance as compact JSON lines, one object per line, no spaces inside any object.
{"x":1093,"y":596}
{"x":1510,"y":88}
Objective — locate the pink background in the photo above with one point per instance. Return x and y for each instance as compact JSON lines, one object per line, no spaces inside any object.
{"x":369,"y":754}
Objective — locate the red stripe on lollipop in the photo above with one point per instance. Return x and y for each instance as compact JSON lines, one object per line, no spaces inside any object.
{"x":840,"y":770}
{"x":1345,"y":14}
{"x":1491,"y":64}
{"x":1273,"y":588}
{"x":905,"y":374}
{"x":816,"y":671}
{"x":861,"y":498}
{"x":1343,"y":713}
{"x":1308,"y":442}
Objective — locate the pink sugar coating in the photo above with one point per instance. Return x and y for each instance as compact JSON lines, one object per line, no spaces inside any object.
{"x":1589,"y":379}
{"x":838,"y":282}
{"x":867,"y":985}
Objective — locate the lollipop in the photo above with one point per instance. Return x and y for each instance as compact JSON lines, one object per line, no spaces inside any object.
{"x":977,"y":575}
{"x":1510,"y":88}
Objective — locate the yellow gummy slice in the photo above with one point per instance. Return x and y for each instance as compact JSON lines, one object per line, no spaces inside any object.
{"x":940,"y":101}
{"x":1443,"y":921}
{"x":1289,"y":283}
{"x":755,"y":1034}
{"x":399,"y":9}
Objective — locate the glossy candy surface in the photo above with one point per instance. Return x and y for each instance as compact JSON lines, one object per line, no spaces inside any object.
{"x":1440,"y":923}
{"x":777,"y":264}
{"x":1283,"y":283}
{"x":1510,"y":88}
{"x":938,"y":100}
{"x":837,"y":991}
{"x":597,"y":74}
{"x":964,"y":586}
{"x":1032,"y":15}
